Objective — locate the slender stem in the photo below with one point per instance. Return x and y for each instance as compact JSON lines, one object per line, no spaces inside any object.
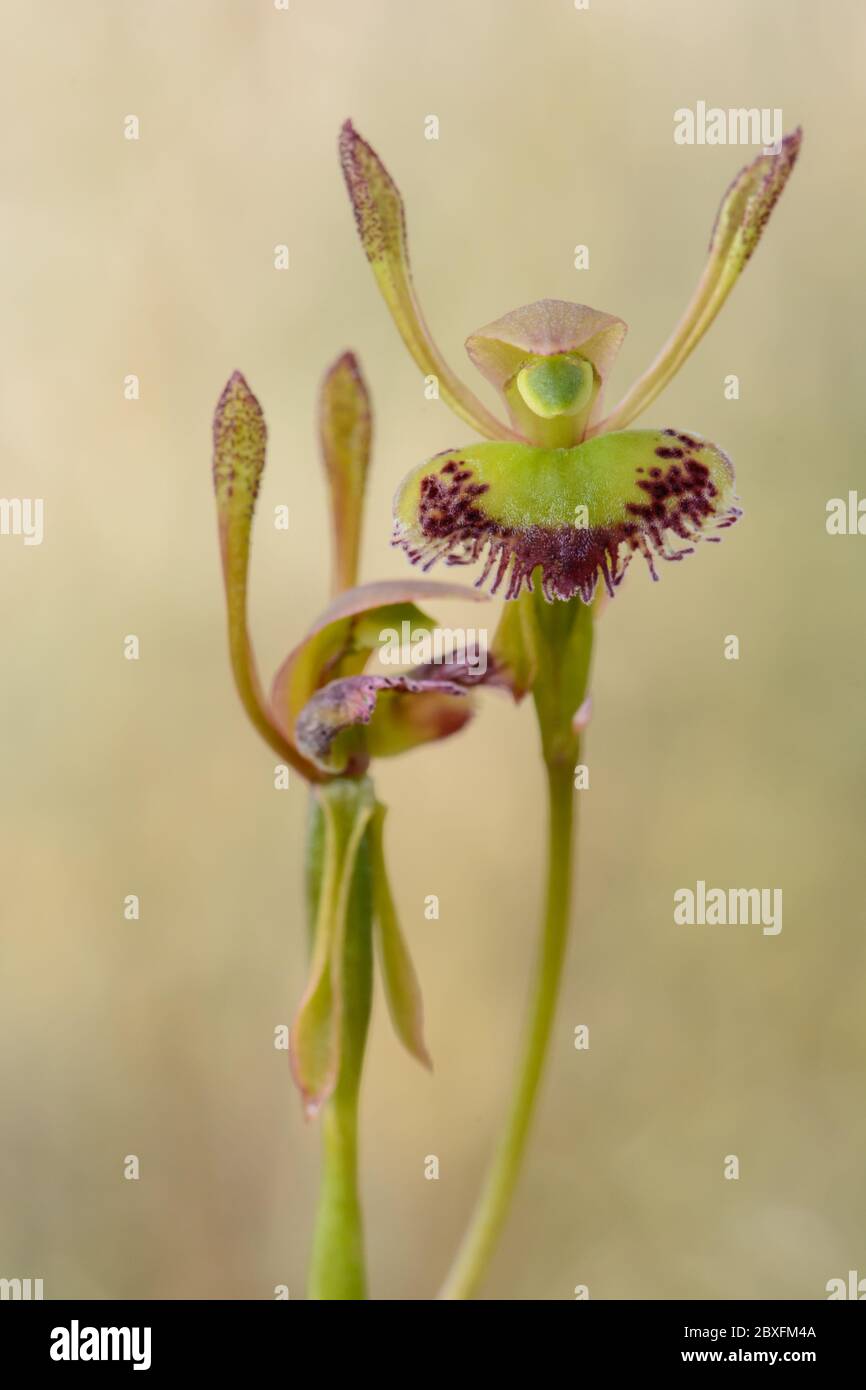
{"x":492,"y":1207}
{"x":337,"y":1268}
{"x":337,"y":1259}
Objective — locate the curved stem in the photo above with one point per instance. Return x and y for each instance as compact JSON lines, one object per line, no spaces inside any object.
{"x":492,"y":1207}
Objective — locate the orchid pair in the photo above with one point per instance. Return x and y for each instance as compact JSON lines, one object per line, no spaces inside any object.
{"x":555,"y":501}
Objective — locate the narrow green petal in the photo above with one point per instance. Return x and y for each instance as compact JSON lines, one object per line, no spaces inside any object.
{"x":572,"y":513}
{"x":744,"y":212}
{"x":239,"y":444}
{"x":345,"y":429}
{"x":316,"y":1040}
{"x":382,"y":228}
{"x":402,"y":990}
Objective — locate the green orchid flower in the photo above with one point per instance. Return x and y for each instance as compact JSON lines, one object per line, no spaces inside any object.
{"x":572,"y":493}
{"x":555,"y":502}
{"x":326,"y":717}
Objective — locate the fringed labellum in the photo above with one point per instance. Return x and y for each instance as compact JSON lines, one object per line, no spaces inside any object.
{"x":573,"y":514}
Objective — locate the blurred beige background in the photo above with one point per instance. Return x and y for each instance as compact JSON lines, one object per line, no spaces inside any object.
{"x":155,"y":1038}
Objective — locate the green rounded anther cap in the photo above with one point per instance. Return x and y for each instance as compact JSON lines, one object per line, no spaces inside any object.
{"x":552,"y":386}
{"x":572,"y":514}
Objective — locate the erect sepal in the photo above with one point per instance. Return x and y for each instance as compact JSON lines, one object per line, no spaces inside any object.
{"x":239,"y":445}
{"x":345,"y":430}
{"x":743,"y":214}
{"x":381,"y":226}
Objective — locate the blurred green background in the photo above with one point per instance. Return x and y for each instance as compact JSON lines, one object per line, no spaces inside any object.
{"x":155,"y":1038}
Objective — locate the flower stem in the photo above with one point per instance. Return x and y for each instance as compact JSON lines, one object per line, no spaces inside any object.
{"x":337,"y":1259}
{"x":502,"y":1176}
{"x":564,"y":633}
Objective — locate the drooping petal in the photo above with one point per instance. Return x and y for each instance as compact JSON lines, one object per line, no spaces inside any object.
{"x":331,"y":728}
{"x":239,"y":445}
{"x":345,"y":429}
{"x":382,"y":228}
{"x":549,"y":361}
{"x":402,"y":990}
{"x":743,"y":214}
{"x":316,"y":1038}
{"x":572,"y":513}
{"x":345,"y":635}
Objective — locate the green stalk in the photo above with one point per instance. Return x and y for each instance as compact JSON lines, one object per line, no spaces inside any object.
{"x":337,"y":1259}
{"x":564,"y":634}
